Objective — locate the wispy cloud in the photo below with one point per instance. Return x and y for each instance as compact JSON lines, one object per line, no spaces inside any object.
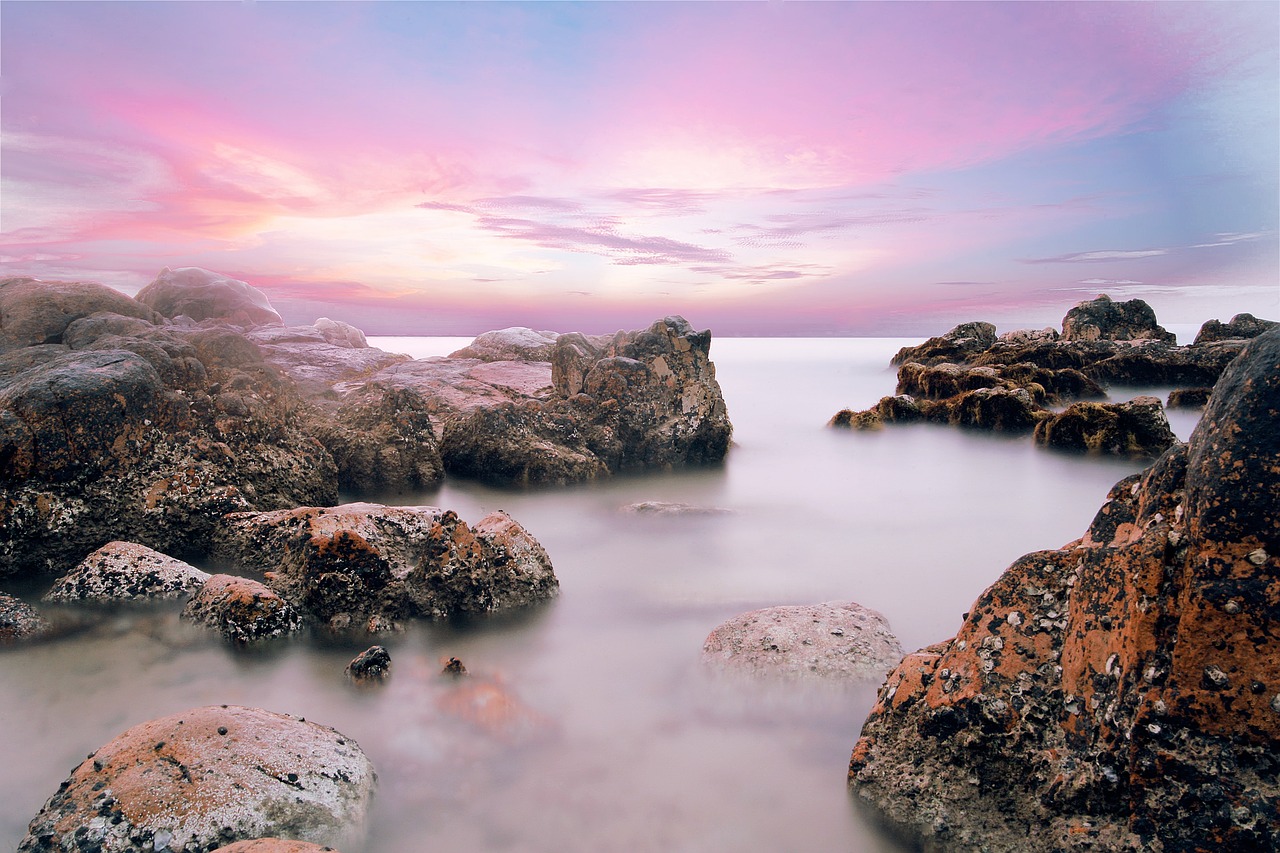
{"x":1099,"y":256}
{"x":1232,"y":239}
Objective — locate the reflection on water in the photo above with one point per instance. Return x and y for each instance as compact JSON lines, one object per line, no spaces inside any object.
{"x":590,"y":725}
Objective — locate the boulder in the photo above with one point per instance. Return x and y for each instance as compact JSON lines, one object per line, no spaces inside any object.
{"x":124,"y":571}
{"x":201,"y":294}
{"x":514,"y":344}
{"x":349,"y":563}
{"x":455,"y":387}
{"x":832,"y":640}
{"x":341,"y":334}
{"x":1107,"y":320}
{"x":1188,"y":398}
{"x":1241,"y":327}
{"x":34,"y":312}
{"x":242,"y":610}
{"x":318,"y":359}
{"x":370,"y":666}
{"x":205,"y":778}
{"x":1129,"y":681}
{"x":902,"y":408}
{"x":274,"y":845}
{"x":1009,"y":410}
{"x":957,"y":345}
{"x":19,"y":620}
{"x":1138,"y":428}
{"x":939,"y":381}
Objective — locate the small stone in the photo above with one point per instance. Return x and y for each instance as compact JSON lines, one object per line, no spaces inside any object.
{"x":1215,"y":678}
{"x":1232,"y":606}
{"x":371,"y":665}
{"x":1258,"y":557}
{"x":454,"y":667}
{"x":1275,"y":703}
{"x":222,"y":730}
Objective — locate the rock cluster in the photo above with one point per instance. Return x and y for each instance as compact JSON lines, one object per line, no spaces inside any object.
{"x":1014,"y":383}
{"x":208,"y":777}
{"x":1129,"y":682}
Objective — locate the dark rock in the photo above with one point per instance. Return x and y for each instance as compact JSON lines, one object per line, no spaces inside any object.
{"x":832,"y":640}
{"x":1188,"y":398}
{"x":123,"y":571}
{"x":34,"y":312}
{"x":242,"y":610}
{"x":204,"y":295}
{"x":939,"y":381}
{"x":454,"y":667}
{"x":349,"y":563}
{"x":371,"y":665}
{"x":957,"y":345}
{"x":994,"y":409}
{"x":902,"y":408}
{"x":515,"y":344}
{"x":1102,"y":319}
{"x":207,"y":777}
{"x":19,"y":620}
{"x":1137,"y":427}
{"x":1128,"y":680}
{"x":1242,"y":326}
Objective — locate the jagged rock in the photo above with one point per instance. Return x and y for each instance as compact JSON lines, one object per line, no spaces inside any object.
{"x":205,"y":295}
{"x":34,"y":312}
{"x":957,"y":345}
{"x":844,"y":640}
{"x":348,"y":563}
{"x":242,"y":610}
{"x":1241,"y":327}
{"x":1130,"y":681}
{"x":1104,"y":319}
{"x":1137,"y":427}
{"x":1022,"y":337}
{"x":122,"y":571}
{"x":634,"y":401}
{"x":1188,"y":398}
{"x":274,"y":845}
{"x":514,"y":344}
{"x":995,"y":409}
{"x":371,"y":665}
{"x":382,"y":439}
{"x":207,"y":777}
{"x":19,"y":620}
{"x":939,"y":381}
{"x":902,"y":408}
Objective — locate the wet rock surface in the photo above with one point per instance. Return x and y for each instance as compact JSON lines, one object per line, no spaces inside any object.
{"x":514,"y":344}
{"x":1103,"y":319}
{"x":19,"y":620}
{"x":832,"y":640}
{"x":1134,"y":428}
{"x":1128,"y":681}
{"x":123,"y":571}
{"x":242,"y":610}
{"x":371,"y":666}
{"x":207,"y":777}
{"x":350,"y":563}
{"x":274,"y":845}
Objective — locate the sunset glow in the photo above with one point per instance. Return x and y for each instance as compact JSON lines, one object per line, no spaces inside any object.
{"x":780,"y":168}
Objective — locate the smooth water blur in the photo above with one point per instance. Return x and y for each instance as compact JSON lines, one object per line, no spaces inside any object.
{"x":615,"y":737}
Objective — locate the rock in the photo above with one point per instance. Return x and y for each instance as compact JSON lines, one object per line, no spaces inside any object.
{"x":488,"y":705}
{"x":207,"y":777}
{"x":902,"y":408}
{"x":242,"y":610}
{"x":382,"y":439}
{"x":1022,"y":337}
{"x":1138,"y":427}
{"x":317,"y":362}
{"x":454,"y":667}
{"x":1188,"y":398}
{"x":665,"y":508}
{"x":1104,"y":319}
{"x":995,"y":409}
{"x":204,"y":295}
{"x":371,"y":665}
{"x":456,"y":387}
{"x":943,"y":380}
{"x":1242,"y":326}
{"x":635,"y":401}
{"x":349,"y":563}
{"x":844,"y":640}
{"x":19,"y":620}
{"x":514,"y":344}
{"x":341,"y":334}
{"x":274,"y":845}
{"x":34,"y":312}
{"x":122,"y":571}
{"x":957,"y":345}
{"x":1128,"y":680}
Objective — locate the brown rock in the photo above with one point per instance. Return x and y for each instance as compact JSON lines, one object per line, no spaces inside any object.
{"x":1242,"y":326}
{"x":382,"y":440}
{"x":514,"y":344}
{"x":207,"y":777}
{"x":34,"y":312}
{"x":204,"y":295}
{"x":1188,"y":398}
{"x":19,"y":620}
{"x":958,"y":345}
{"x":242,"y":610}
{"x":372,"y":665}
{"x":1103,"y":319}
{"x":1138,"y":427}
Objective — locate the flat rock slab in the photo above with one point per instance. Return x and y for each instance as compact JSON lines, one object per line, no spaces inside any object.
{"x":126,"y":571}
{"x":831,"y":640}
{"x":274,"y":845}
{"x":206,"y":777}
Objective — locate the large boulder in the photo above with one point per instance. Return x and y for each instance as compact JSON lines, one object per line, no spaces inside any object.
{"x":514,"y":344}
{"x":1129,"y":682}
{"x":1106,"y":320}
{"x":351,"y":563}
{"x":126,"y":571}
{"x":1138,"y":427}
{"x":201,"y":294}
{"x":274,"y":845}
{"x":319,"y":357}
{"x":958,"y":345}
{"x":34,"y":312}
{"x":242,"y":610}
{"x":207,"y":777}
{"x":1241,"y":327}
{"x":832,"y":640}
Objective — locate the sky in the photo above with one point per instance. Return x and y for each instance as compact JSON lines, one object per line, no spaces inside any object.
{"x":764,"y":168}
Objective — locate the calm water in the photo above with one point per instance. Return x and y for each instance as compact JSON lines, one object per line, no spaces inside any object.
{"x":615,"y":738}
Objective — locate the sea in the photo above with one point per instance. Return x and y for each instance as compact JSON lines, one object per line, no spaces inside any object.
{"x":592,"y":725}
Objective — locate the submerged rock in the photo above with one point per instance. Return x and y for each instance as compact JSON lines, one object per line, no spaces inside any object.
{"x":1137,"y":428}
{"x":1130,"y":681}
{"x":349,"y":563}
{"x":123,"y":571}
{"x":843,"y":640}
{"x":19,"y":620}
{"x":242,"y":610}
{"x":1188,"y":398}
{"x":370,"y":666}
{"x":666,"y":508}
{"x":205,"y":778}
